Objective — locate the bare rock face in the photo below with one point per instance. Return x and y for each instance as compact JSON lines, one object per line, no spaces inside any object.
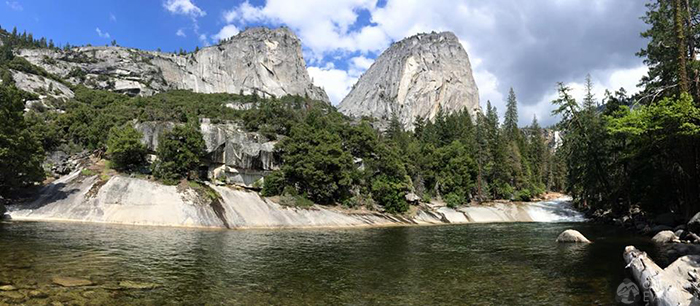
{"x":234,"y":155}
{"x":49,"y":91}
{"x":415,"y":77}
{"x":261,"y":60}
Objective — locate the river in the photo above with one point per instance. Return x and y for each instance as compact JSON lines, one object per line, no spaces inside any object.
{"x":482,"y":264}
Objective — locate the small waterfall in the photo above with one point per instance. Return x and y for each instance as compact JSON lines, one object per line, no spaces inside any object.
{"x":557,"y":210}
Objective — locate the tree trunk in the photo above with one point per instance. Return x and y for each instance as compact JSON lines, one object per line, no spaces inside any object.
{"x":681,"y":46}
{"x":658,"y":286}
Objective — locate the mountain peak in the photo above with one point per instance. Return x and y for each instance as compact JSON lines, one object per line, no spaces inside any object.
{"x":416,"y":77}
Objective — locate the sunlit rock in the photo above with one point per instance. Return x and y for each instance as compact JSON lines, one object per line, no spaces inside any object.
{"x":571,"y":235}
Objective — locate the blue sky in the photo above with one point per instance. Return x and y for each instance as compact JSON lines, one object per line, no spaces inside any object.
{"x":527,"y":45}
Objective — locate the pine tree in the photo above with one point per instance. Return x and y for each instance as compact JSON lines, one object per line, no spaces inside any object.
{"x":510,"y":122}
{"x":21,"y":154}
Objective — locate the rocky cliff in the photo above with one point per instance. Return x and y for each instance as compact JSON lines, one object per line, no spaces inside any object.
{"x":265,"y":61}
{"x":234,"y":155}
{"x":414,"y":77}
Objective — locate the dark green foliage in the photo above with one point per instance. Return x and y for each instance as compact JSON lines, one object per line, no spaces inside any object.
{"x":125,"y":149}
{"x":315,"y":162}
{"x":274,"y":184}
{"x":20,"y":151}
{"x":389,"y":193}
{"x":179,"y":153}
{"x":453,"y":200}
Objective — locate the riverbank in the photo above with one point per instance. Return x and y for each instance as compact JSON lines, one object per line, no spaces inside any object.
{"x":119,"y":199}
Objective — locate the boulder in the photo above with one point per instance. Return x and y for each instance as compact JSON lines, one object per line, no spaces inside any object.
{"x":694,"y":223}
{"x":665,"y":237}
{"x":412,"y":197}
{"x":71,"y":281}
{"x":571,"y":235}
{"x":681,"y":234}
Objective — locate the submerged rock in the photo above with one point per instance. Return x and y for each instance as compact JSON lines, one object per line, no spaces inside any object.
{"x":138,"y":285}
{"x":71,"y":281}
{"x":571,"y":235}
{"x":8,"y":288}
{"x":14,"y":295}
{"x":36,"y":294}
{"x":665,"y":237}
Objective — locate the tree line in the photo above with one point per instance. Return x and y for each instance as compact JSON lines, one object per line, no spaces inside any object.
{"x":641,"y":150}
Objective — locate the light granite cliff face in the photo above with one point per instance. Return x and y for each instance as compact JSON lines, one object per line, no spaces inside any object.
{"x":234,"y":156}
{"x":265,"y":61}
{"x":414,"y":77}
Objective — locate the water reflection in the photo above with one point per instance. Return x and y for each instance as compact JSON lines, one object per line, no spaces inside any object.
{"x":488,"y":264}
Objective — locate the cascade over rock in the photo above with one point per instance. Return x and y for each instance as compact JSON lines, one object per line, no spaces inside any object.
{"x":415,"y":77}
{"x":261,"y":60}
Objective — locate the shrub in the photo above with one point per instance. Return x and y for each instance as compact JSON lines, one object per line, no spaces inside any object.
{"x":523,"y":195}
{"x":454,"y":200}
{"x":273,"y":184}
{"x":125,"y":149}
{"x":389,"y":194}
{"x":179,"y":152}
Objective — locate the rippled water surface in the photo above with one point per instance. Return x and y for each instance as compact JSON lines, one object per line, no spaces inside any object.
{"x":482,"y":264}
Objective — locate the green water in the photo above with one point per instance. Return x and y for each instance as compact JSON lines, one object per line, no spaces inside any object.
{"x":475,"y":264}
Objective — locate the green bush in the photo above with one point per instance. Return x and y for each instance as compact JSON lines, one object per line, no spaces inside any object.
{"x":523,"y":195}
{"x":390,"y":194}
{"x":273,"y":184}
{"x":179,"y":153}
{"x":454,"y":200}
{"x":125,"y":149}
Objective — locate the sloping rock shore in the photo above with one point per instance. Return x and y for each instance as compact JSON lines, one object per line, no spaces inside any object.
{"x":130,"y":200}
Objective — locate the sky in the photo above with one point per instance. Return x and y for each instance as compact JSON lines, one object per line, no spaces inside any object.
{"x":527,"y":45}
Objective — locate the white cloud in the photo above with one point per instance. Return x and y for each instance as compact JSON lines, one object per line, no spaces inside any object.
{"x":14,"y":5}
{"x":180,"y":33}
{"x":323,"y":26}
{"x":102,"y":34}
{"x":361,"y":63}
{"x":183,"y":7}
{"x":112,"y":17}
{"x":226,"y":32}
{"x":230,"y":16}
{"x":335,"y":82}
{"x":203,"y":39}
